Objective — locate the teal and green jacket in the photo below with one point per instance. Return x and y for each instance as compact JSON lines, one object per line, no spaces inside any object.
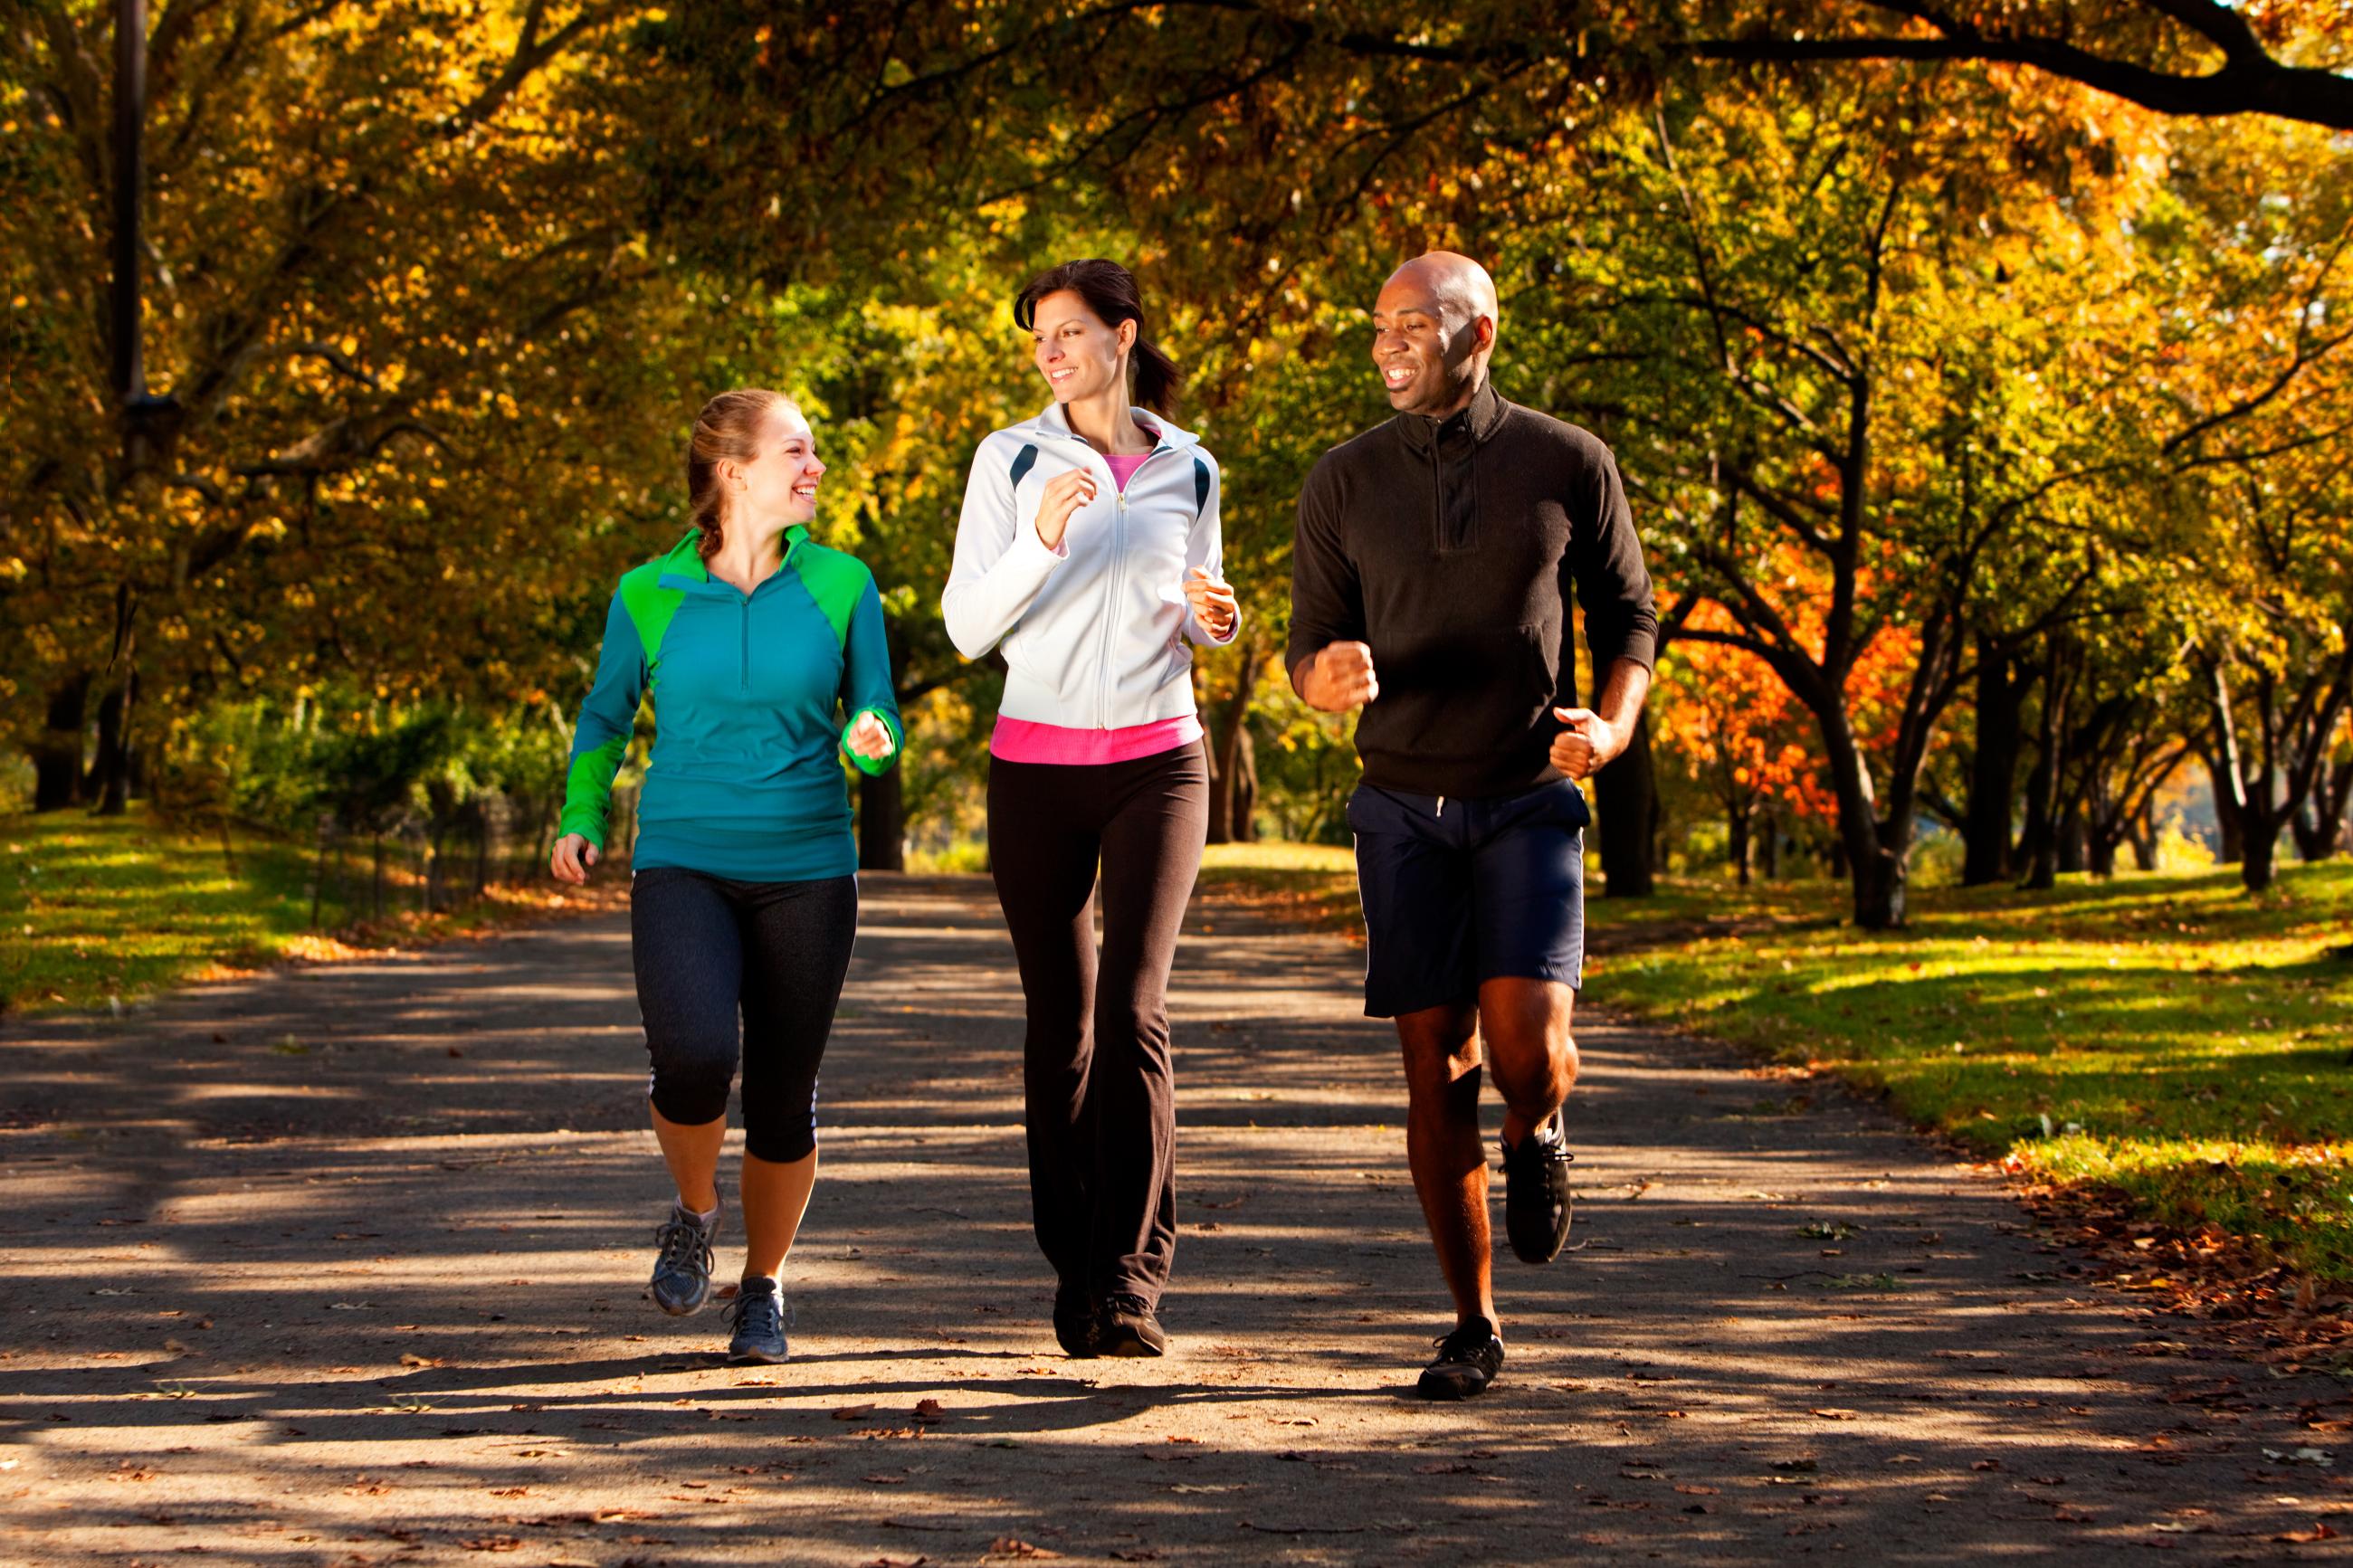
{"x":753,"y":697}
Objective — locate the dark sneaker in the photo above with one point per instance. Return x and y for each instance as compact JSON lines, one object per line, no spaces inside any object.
{"x":1535,"y":1193}
{"x":1128,"y":1327}
{"x":1074,"y":1323}
{"x":757,"y":1313}
{"x":1468,"y":1361}
{"x":681,"y":1281}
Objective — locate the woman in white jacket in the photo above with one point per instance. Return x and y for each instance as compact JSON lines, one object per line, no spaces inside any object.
{"x":1088,"y":553}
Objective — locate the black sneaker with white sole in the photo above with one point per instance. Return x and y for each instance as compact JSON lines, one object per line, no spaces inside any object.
{"x":1535,"y":1193}
{"x":681,"y":1281}
{"x":1468,"y":1361}
{"x":757,"y":1314}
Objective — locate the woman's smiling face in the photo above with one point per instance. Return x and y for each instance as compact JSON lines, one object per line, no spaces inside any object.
{"x":1080,"y":356}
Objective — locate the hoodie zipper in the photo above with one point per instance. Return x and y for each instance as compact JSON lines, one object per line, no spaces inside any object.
{"x":1116,"y":579}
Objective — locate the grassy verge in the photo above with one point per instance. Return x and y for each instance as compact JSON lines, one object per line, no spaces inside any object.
{"x":99,"y":910}
{"x":1310,"y":887}
{"x":2165,"y":1036}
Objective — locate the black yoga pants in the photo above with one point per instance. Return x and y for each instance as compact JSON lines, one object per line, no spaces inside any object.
{"x":707,"y":948}
{"x":1096,"y":1077}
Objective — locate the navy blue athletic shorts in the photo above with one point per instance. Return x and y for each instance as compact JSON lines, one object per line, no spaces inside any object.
{"x":1461,"y":891}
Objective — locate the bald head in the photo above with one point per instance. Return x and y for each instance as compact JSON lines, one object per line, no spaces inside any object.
{"x":1433,"y":333}
{"x":1460,"y":285}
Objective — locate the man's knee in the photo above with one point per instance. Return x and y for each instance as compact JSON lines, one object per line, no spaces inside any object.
{"x":1441,"y":1049}
{"x":1526,"y":1024}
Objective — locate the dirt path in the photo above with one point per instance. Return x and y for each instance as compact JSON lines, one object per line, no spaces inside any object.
{"x":343,"y":1266}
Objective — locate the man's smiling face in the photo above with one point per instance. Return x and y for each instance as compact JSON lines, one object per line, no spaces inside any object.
{"x":1426,"y":348}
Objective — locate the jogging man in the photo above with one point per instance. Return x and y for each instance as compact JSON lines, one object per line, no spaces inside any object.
{"x":1433,"y":565}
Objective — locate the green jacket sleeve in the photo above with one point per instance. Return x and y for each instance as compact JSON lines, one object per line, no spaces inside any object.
{"x":607,"y":718}
{"x":866,"y":685}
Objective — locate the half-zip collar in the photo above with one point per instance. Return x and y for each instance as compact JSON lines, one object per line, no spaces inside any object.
{"x":684,"y":567}
{"x":1479,"y":418}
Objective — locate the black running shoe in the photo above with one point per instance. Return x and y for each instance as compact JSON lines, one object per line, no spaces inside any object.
{"x":758,"y":1314}
{"x":681,"y":1281}
{"x":1128,"y":1327}
{"x":1535,"y":1193}
{"x":1468,"y":1361}
{"x":1075,"y":1323}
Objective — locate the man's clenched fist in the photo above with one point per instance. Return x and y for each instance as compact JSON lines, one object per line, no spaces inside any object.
{"x":1588,"y":743}
{"x":1339,"y":678}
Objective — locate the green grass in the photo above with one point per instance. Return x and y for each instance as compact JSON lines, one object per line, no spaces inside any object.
{"x":2167,"y":1036}
{"x":94,"y":910}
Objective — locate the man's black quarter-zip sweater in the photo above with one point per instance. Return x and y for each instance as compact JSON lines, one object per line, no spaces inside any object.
{"x":1452,"y":547}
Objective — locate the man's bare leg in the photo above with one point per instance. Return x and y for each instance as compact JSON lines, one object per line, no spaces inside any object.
{"x":1530,"y":1053}
{"x":1444,"y":1147}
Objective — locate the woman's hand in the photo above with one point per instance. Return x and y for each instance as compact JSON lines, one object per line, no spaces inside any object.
{"x":1065,"y":493}
{"x":572,"y":857}
{"x":1214,"y":605}
{"x":870,"y":738}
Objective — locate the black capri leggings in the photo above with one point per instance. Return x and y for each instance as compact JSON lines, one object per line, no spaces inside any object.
{"x":705,"y":946}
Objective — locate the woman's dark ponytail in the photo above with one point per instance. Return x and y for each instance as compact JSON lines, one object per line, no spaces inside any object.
{"x":1111,"y":293}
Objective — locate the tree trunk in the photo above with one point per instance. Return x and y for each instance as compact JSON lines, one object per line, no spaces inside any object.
{"x":2230,"y":835}
{"x":2320,"y":828}
{"x":881,"y":822}
{"x":1626,"y":797}
{"x":110,"y":772}
{"x":1242,"y":786}
{"x":1739,"y":851}
{"x":1876,"y":873}
{"x":2262,"y":845}
{"x":1233,"y":760}
{"x":1993,"y":769}
{"x":2073,"y":849}
{"x":2045,"y":808}
{"x":1772,"y":844}
{"x":57,"y":756}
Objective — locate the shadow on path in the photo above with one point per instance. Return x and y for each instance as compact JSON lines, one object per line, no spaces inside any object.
{"x":343,"y":1265}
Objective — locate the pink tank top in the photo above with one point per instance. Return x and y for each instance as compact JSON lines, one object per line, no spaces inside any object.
{"x":1021,"y":741}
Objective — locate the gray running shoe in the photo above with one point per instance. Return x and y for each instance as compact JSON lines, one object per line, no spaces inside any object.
{"x":681,"y":1281}
{"x":758,"y":1314}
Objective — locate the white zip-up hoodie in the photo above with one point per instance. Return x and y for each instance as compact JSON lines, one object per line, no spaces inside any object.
{"x":1093,"y":633}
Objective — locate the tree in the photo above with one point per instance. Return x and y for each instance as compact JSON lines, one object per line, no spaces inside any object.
{"x":384,"y":244}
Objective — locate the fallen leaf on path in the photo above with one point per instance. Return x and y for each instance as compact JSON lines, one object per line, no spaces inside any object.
{"x":883,"y":1481}
{"x":1833,"y":1415}
{"x":1697,"y":1491}
{"x":930,"y":1410}
{"x":916,"y":1524}
{"x":853,"y":1411}
{"x":1233,"y":1489}
{"x":895,"y":1562}
{"x":2306,"y":1537}
{"x":1445,"y":1467}
{"x":492,"y":1543}
{"x":1011,"y":1546}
